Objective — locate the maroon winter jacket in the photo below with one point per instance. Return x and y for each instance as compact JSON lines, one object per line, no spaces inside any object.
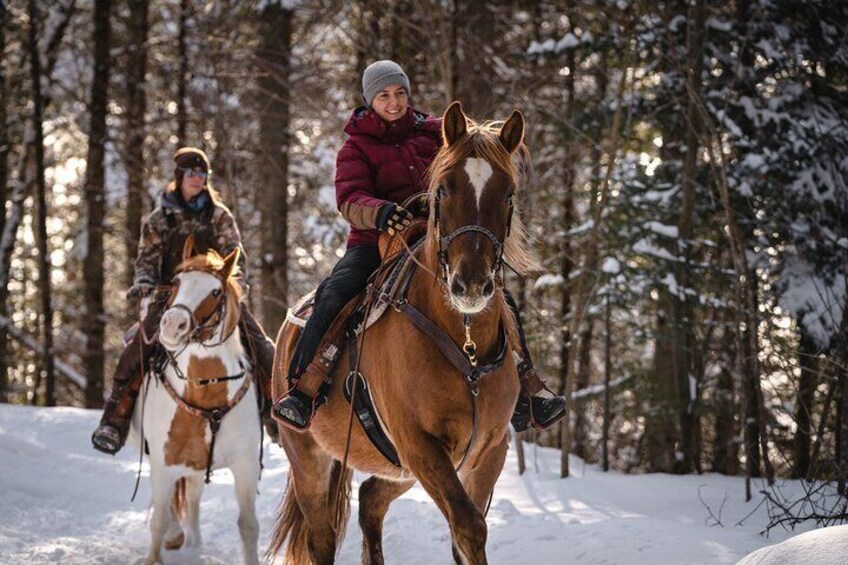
{"x":382,"y":163}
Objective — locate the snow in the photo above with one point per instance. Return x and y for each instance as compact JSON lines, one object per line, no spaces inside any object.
{"x":827,"y":546}
{"x":64,"y":502}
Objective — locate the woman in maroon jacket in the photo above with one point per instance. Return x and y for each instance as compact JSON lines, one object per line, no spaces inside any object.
{"x":382,"y":163}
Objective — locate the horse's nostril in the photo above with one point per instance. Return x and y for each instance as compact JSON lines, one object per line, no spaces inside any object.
{"x":488,"y":288}
{"x":182,"y":326}
{"x":458,"y":288}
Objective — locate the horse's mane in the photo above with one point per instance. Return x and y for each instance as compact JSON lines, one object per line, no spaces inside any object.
{"x":482,"y":141}
{"x":211,"y":262}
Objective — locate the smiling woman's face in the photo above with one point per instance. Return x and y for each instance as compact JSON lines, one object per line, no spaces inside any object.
{"x":391,"y":102}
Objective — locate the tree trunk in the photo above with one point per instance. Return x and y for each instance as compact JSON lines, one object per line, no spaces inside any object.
{"x":274,"y":57}
{"x":94,"y":196}
{"x":580,"y":445}
{"x":607,"y":377}
{"x":4,"y":188}
{"x":41,"y":200}
{"x":807,"y":384}
{"x":725,"y":445}
{"x":182,"y":79}
{"x":476,"y":33}
{"x":24,"y":180}
{"x":683,"y":335}
{"x":137,"y":31}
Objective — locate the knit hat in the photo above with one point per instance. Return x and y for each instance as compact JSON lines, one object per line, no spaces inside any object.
{"x":191,"y":157}
{"x":379,"y":75}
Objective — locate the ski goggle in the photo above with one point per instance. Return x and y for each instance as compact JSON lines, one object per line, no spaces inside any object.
{"x":191,"y":172}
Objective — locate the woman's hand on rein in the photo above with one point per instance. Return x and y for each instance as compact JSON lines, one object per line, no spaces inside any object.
{"x":394,"y":219}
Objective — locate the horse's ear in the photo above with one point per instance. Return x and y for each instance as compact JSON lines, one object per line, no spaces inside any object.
{"x":230,"y":263}
{"x":453,"y":123}
{"x":512,"y":132}
{"x":188,"y":248}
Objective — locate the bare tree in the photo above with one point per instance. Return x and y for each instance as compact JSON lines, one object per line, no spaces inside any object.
{"x":137,"y":29}
{"x":41,"y":223}
{"x":274,"y":58}
{"x":94,"y":197}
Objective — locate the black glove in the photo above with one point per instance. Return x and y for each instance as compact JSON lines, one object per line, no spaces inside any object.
{"x":393,"y":219}
{"x":139,"y":290}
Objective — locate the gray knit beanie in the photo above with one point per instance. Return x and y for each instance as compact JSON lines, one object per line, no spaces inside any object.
{"x":379,"y":75}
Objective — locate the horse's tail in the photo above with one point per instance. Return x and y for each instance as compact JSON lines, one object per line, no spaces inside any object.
{"x":291,"y":524}
{"x":338,"y":499}
{"x":179,"y":504}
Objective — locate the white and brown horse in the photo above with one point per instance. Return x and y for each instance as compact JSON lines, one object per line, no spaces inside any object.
{"x":446,"y":408}
{"x":201,"y":412}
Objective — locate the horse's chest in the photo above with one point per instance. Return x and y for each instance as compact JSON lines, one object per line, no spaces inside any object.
{"x":186,"y":442}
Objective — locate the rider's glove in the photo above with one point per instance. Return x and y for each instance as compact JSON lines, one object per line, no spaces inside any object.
{"x":139,"y":290}
{"x":393,"y":219}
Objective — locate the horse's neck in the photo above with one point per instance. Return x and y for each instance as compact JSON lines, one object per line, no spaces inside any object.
{"x":429,"y":295}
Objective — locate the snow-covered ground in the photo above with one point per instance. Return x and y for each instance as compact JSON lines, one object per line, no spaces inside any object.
{"x":63,"y":502}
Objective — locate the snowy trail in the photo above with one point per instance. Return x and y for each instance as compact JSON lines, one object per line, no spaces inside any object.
{"x":63,"y":502}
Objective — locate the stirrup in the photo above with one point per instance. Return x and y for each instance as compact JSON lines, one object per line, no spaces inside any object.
{"x":107,"y":438}
{"x":294,"y":410}
{"x":545,"y":412}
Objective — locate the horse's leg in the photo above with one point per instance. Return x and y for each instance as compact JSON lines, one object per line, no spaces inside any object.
{"x":431,"y":465}
{"x":375,"y":496}
{"x":162,"y":486}
{"x":480,"y":481}
{"x":246,"y":475}
{"x":311,"y":468}
{"x":194,"y":490}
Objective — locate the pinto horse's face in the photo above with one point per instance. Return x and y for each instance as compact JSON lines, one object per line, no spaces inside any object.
{"x":473,"y":202}
{"x":196,"y":302}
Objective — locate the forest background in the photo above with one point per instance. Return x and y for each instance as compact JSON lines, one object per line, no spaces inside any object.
{"x":687,"y":196}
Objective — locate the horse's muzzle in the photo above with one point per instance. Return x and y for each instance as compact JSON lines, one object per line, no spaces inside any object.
{"x":174,"y":327}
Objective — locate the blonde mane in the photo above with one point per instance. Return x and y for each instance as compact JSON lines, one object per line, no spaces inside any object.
{"x":482,"y":141}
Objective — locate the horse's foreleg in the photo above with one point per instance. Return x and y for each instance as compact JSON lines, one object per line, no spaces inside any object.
{"x":430,"y":464}
{"x":162,"y":486}
{"x":375,"y":496}
{"x":194,"y":490}
{"x":480,"y":481}
{"x":246,"y":475}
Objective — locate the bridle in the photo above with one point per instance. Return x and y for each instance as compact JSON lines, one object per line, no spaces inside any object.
{"x":444,"y":242}
{"x":202,"y":331}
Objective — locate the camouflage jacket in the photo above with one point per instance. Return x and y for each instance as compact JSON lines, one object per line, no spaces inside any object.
{"x":165,"y":230}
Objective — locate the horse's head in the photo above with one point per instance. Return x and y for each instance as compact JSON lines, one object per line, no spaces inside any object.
{"x":472,"y":181}
{"x":204,"y":297}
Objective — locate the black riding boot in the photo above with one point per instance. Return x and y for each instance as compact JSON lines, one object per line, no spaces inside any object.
{"x":541,"y":412}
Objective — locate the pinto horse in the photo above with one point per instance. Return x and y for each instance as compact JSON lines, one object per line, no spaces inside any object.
{"x":202,"y":413}
{"x":449,"y":428}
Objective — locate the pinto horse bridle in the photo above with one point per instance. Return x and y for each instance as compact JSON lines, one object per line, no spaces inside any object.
{"x":445,"y":241}
{"x":201,"y":331}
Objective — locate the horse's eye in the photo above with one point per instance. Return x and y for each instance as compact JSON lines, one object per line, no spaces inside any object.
{"x":216,"y":293}
{"x":441,"y":191}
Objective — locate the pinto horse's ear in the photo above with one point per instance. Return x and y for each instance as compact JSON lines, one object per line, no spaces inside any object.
{"x":230,"y":263}
{"x":512,"y":132}
{"x":453,"y":123}
{"x":188,"y":248}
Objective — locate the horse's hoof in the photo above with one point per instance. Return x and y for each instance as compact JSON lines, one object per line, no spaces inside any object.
{"x":175,"y":542}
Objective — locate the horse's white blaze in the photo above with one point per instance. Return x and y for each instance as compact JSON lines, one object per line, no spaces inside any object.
{"x":479,"y":172}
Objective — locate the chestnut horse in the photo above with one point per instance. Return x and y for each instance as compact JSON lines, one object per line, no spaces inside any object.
{"x":426,"y":405}
{"x":202,"y":414}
